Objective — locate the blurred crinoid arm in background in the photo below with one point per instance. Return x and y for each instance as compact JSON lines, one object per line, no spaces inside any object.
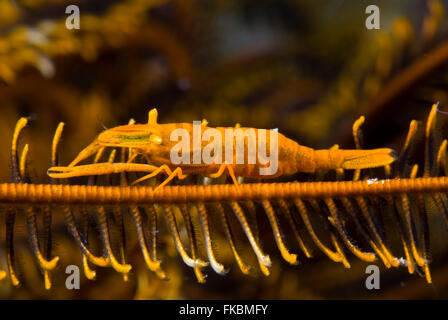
{"x":309,"y":68}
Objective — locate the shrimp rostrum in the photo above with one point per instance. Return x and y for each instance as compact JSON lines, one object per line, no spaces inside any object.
{"x":182,"y":149}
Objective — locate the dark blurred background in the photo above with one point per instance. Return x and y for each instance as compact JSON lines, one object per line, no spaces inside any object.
{"x":309,"y":68}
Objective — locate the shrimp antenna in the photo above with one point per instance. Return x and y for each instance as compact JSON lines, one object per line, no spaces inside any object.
{"x":438,"y":110}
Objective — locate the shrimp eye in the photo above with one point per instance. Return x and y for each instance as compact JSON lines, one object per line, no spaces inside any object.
{"x":155,"y":139}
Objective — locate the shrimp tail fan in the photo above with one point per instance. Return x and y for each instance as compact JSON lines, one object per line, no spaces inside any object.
{"x":363,"y":159}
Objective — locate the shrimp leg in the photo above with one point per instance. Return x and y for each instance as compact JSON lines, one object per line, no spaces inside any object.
{"x":98,"y":169}
{"x":108,"y":168}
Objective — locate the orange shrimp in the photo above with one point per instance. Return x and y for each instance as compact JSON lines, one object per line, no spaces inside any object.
{"x":155,"y":143}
